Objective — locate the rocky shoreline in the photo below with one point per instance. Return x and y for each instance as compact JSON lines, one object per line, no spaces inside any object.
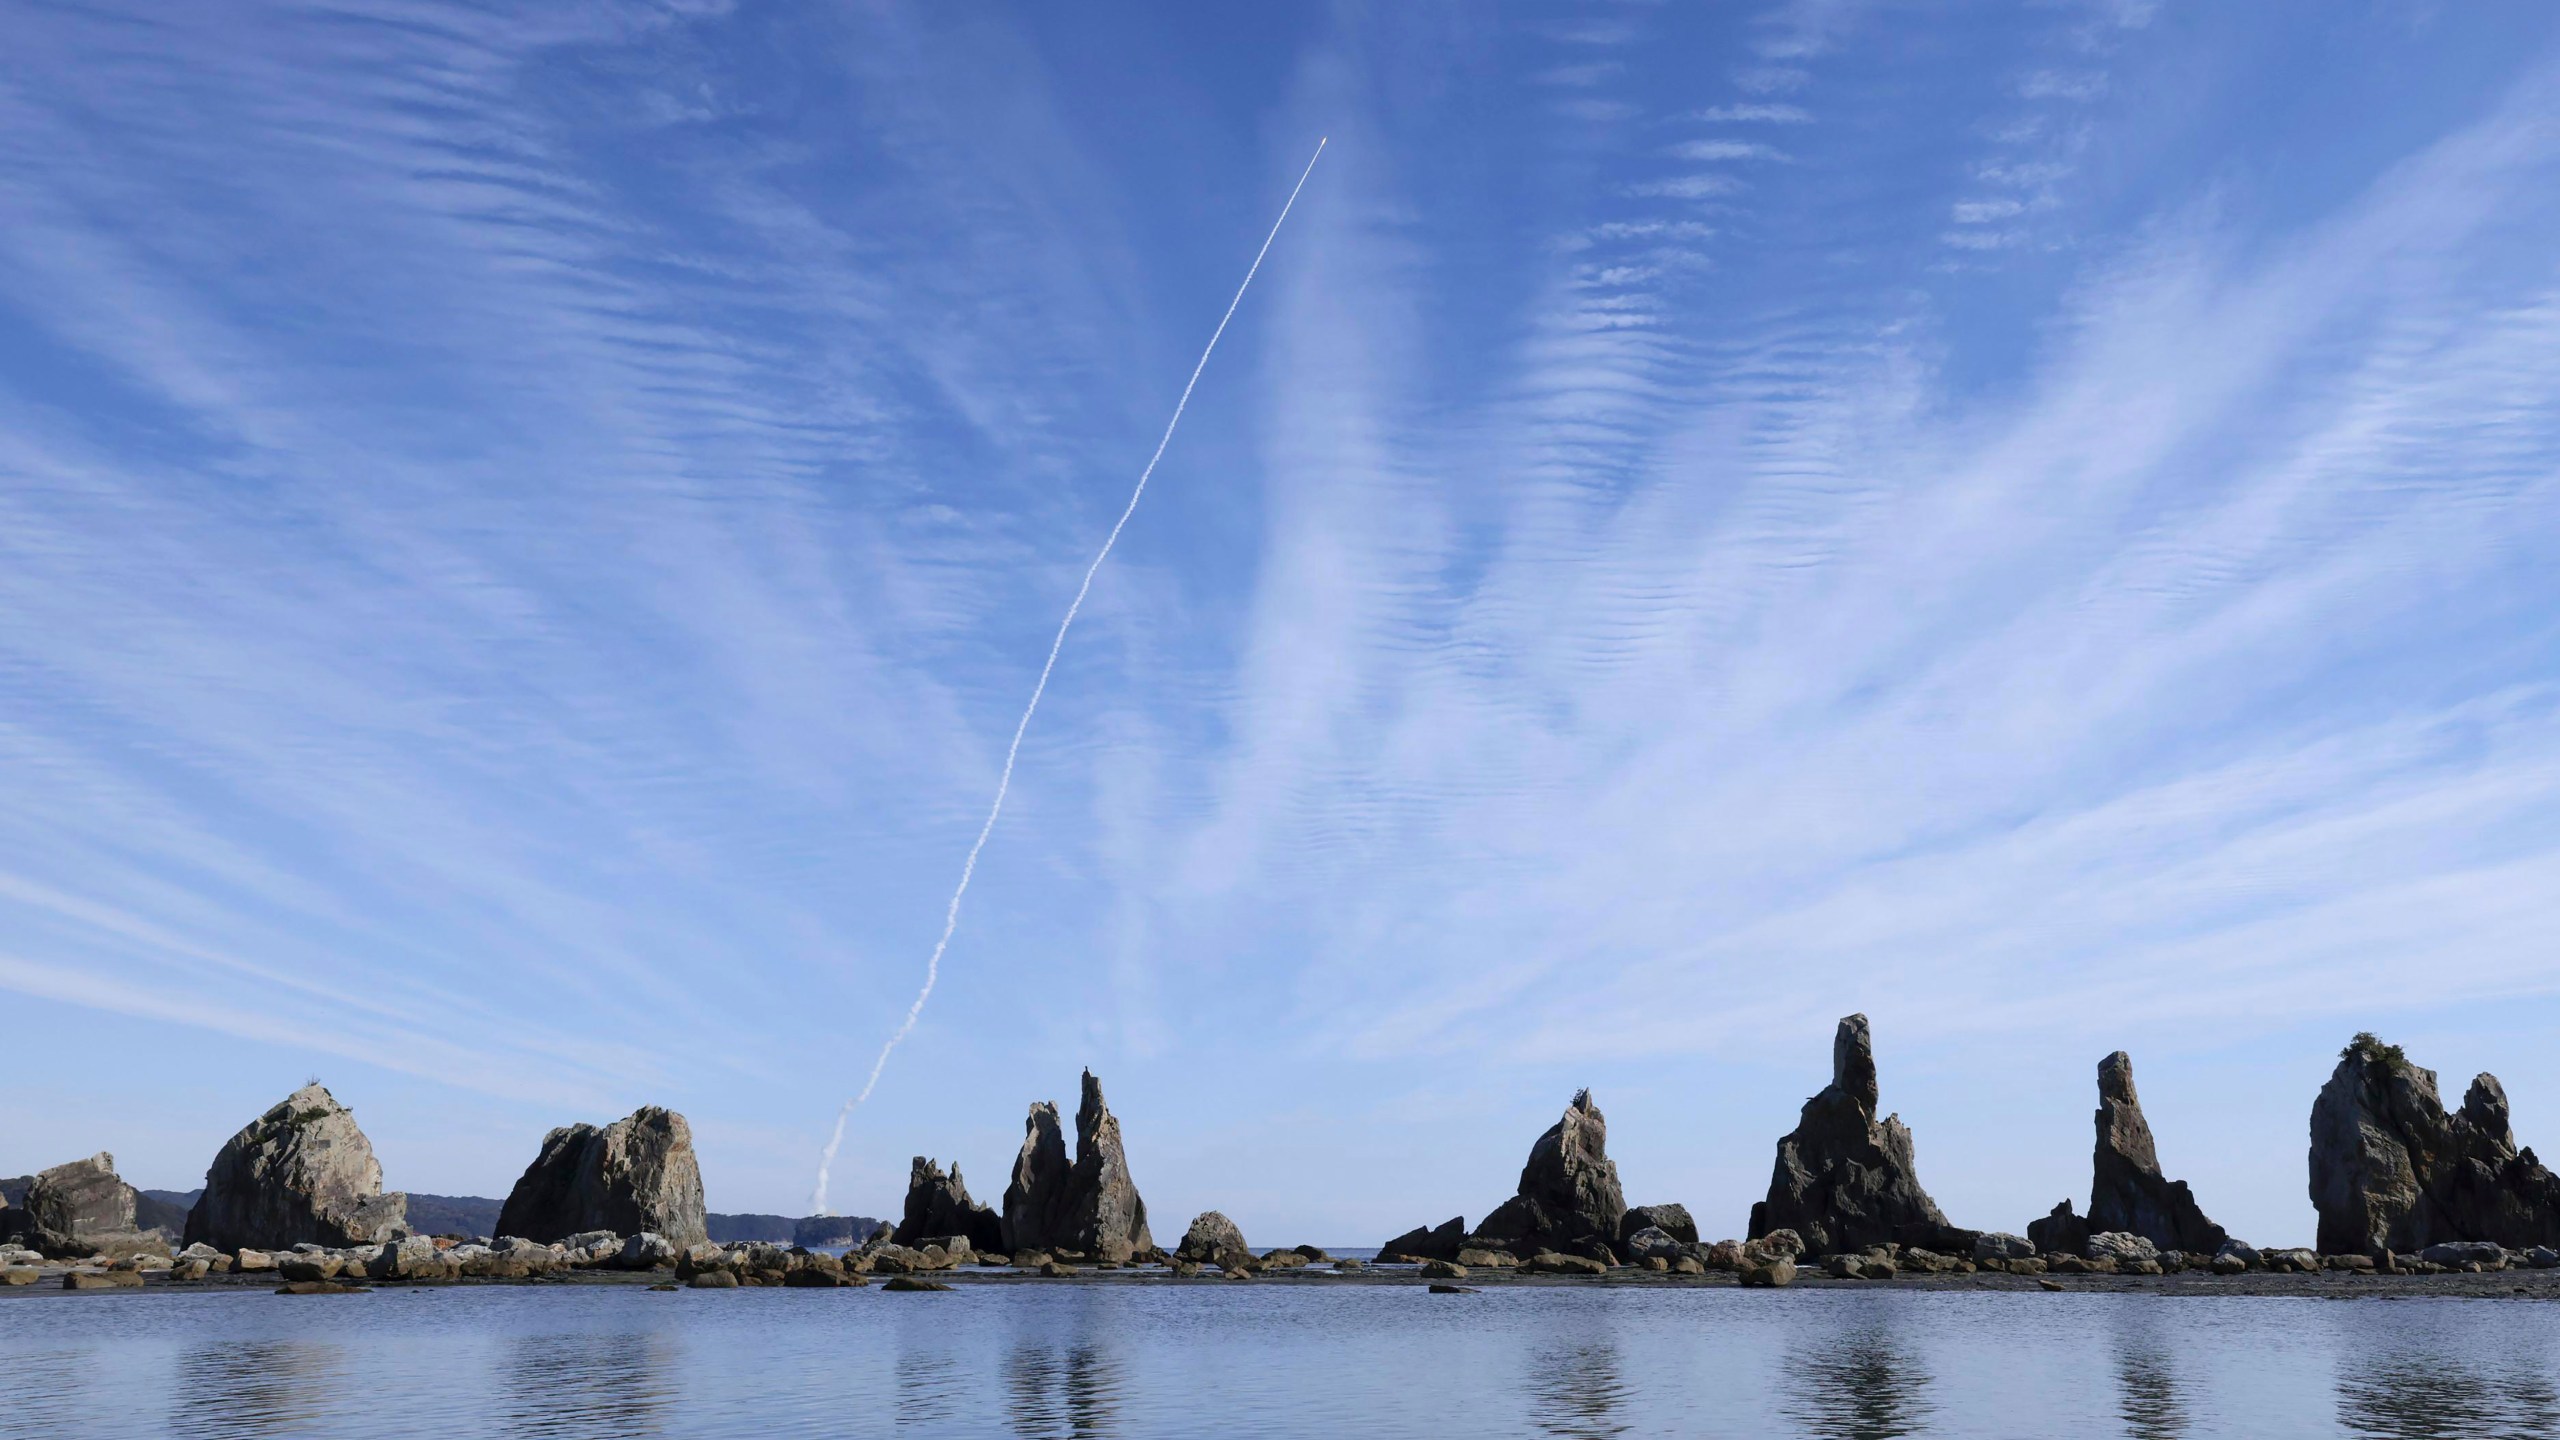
{"x":2412,"y":1201}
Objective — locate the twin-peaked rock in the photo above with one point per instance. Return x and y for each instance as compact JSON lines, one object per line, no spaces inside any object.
{"x":1091,"y":1207}
{"x":2391,"y":1170}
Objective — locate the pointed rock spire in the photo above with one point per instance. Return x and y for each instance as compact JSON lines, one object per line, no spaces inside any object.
{"x":938,"y":1205}
{"x":2127,"y":1191}
{"x":1845,"y":1181}
{"x":1040,"y":1175}
{"x":1569,"y":1190}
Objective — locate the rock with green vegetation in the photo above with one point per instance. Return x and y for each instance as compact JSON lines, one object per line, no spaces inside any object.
{"x":2391,"y":1170}
{"x":301,"y":1172}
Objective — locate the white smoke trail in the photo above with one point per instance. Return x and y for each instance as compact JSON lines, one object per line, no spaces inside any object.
{"x":969,"y":867}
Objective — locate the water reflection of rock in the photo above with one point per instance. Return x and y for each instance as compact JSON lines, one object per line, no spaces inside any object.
{"x":1070,"y":1390}
{"x":1577,"y":1391}
{"x":2148,"y":1390}
{"x":584,"y":1385}
{"x":259,"y":1387}
{"x":1863,"y":1385}
{"x":2438,"y":1397}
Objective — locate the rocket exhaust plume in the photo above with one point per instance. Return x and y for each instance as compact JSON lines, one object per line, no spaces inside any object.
{"x":969,"y":867}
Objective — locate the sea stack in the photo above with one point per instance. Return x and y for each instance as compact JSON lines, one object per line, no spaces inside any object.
{"x":300,"y":1173}
{"x":633,"y":1176}
{"x":939,"y":1205}
{"x":80,"y":1206}
{"x":2391,"y":1171}
{"x":1844,"y":1180}
{"x":1569,"y":1194}
{"x":2127,"y":1191}
{"x":1091,"y":1207}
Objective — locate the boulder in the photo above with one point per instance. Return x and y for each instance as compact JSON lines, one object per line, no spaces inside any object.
{"x":1671,"y":1220}
{"x":2120,"y":1246}
{"x":1772,"y":1273}
{"x":300,"y":1173}
{"x":1725,"y":1255}
{"x":2391,"y":1171}
{"x":2127,"y":1191}
{"x":1568,"y":1190}
{"x":1210,"y":1235}
{"x":2463,"y":1254}
{"x":1843,"y":1179}
{"x":635,"y":1175}
{"x":645,"y":1251}
{"x":1654,"y":1243}
{"x":2062,"y":1232}
{"x":939,"y":1204}
{"x":1998,"y":1245}
{"x":1486,"y":1259}
{"x":1438,"y":1242}
{"x":1443,"y":1270}
{"x":76,"y":1208}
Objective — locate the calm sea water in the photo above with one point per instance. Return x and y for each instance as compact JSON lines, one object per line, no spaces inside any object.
{"x":1267,"y":1359}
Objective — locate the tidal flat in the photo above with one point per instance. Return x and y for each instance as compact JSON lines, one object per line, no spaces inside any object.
{"x":1140,"y":1355}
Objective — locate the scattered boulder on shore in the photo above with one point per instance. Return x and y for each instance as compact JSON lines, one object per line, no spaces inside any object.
{"x":1568,"y":1193}
{"x":1845,"y":1181}
{"x":303,"y":1172}
{"x":2391,"y":1171}
{"x":2127,"y":1191}
{"x":939,"y":1204}
{"x":1431,"y":1242}
{"x":1671,"y":1220}
{"x":1091,"y":1207}
{"x":636,"y":1174}
{"x":1210,"y":1236}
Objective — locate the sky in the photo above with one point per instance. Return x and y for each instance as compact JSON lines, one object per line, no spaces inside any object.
{"x":525,"y":532}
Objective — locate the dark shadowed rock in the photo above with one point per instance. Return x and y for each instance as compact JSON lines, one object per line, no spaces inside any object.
{"x":1041,"y":1173}
{"x":300,"y":1173}
{"x":76,"y":1206}
{"x":1434,"y":1242}
{"x":1103,"y":1215}
{"x":2061,"y":1233}
{"x":636,"y":1174}
{"x":939,"y":1204}
{"x":1210,"y":1236}
{"x":1845,"y":1181}
{"x":1091,"y":1207}
{"x":1671,"y":1220}
{"x":2127,"y":1191}
{"x":1568,"y":1189}
{"x":2391,"y":1171}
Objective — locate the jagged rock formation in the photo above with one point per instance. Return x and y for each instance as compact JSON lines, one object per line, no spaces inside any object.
{"x":2390,"y":1170}
{"x":300,"y":1173}
{"x":636,"y":1174}
{"x":1092,"y":1207}
{"x":2061,"y":1233}
{"x":1040,"y":1175}
{"x":1568,"y":1191}
{"x":2127,"y":1192}
{"x":1671,"y":1220}
{"x":1211,"y":1237}
{"x":939,"y":1205}
{"x":1843,"y":1180}
{"x":1429,"y":1242}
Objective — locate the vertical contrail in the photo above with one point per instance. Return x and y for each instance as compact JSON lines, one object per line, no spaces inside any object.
{"x":969,"y":867}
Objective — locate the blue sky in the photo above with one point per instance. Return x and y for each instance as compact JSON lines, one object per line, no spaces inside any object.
{"x":524,"y":532}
